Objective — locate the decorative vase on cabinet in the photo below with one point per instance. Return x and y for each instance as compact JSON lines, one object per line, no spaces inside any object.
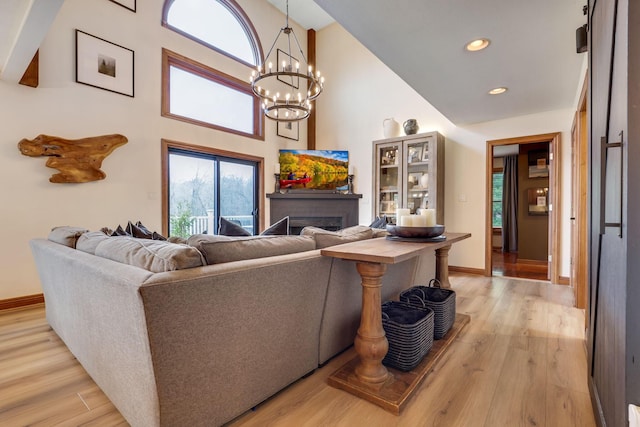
{"x":409,"y":174}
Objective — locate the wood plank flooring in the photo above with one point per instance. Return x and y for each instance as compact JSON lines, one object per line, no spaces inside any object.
{"x":508,"y":265}
{"x":520,"y":362}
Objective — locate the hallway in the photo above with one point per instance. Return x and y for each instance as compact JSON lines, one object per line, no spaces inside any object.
{"x":507,"y":264}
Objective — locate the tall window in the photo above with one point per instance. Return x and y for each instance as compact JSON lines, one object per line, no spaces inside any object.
{"x":202,"y":95}
{"x":203,"y":185}
{"x":198,"y":94}
{"x":497,"y":199}
{"x":219,"y":24}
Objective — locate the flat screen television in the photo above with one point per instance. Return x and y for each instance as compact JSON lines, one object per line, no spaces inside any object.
{"x":314,"y":169}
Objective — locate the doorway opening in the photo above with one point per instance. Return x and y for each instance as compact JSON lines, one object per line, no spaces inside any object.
{"x":522,"y":191}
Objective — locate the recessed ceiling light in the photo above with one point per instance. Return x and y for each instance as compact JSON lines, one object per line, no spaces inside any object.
{"x":497,"y":91}
{"x":476,"y":45}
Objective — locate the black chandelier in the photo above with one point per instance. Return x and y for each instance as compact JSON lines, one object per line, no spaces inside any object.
{"x":286,"y":89}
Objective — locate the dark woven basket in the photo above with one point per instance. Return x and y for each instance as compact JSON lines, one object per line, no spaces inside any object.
{"x":409,"y":331}
{"x":441,"y":301}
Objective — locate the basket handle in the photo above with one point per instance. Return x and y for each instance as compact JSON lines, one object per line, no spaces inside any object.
{"x":435,"y":283}
{"x":416,"y":297}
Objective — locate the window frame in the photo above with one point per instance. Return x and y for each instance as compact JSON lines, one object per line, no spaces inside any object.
{"x":495,"y":171}
{"x":242,"y":18}
{"x":168,"y":145}
{"x":170,"y":59}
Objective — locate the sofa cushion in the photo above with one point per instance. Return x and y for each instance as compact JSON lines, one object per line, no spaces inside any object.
{"x":218,"y":250}
{"x":66,"y":235}
{"x":325,"y":238}
{"x":88,"y":242}
{"x":280,"y":228}
{"x":153,"y":255}
{"x":230,"y":228}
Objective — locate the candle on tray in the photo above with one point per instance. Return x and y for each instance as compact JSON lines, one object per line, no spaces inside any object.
{"x":430,"y":215}
{"x":419,"y":220}
{"x":399,"y":213}
{"x":406,"y":220}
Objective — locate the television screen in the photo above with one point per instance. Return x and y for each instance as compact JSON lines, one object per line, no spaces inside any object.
{"x":314,"y":169}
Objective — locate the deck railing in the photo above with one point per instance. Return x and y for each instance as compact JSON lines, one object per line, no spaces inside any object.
{"x":207,"y":225}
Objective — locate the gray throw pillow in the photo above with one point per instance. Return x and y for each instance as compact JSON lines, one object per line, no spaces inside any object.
{"x":230,"y":228}
{"x":280,"y":228}
{"x":326,"y":238}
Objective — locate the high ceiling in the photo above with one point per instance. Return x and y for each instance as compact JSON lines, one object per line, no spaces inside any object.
{"x":532,"y":50}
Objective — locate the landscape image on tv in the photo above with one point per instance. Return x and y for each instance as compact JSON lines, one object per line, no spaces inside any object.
{"x":314,"y":169}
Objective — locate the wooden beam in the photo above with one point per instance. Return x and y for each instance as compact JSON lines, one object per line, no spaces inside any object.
{"x":32,"y":21}
{"x":311,"y":121}
{"x":31,"y":75}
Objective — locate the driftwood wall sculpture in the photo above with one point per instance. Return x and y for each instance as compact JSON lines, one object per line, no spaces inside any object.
{"x":78,"y":160}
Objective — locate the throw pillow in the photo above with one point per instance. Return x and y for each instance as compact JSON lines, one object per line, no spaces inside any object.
{"x":66,"y":235}
{"x":139,"y":232}
{"x":229,"y":228}
{"x":152,"y":255}
{"x":379,"y":222}
{"x":280,"y":228}
{"x":325,"y":238}
{"x":119,"y":232}
{"x":89,"y":241}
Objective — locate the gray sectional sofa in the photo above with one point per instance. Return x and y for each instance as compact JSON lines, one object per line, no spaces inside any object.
{"x":196,"y":334}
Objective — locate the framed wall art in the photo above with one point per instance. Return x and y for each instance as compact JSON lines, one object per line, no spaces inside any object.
{"x":102,"y":64}
{"x":538,"y":201}
{"x":127,"y":4}
{"x":288,"y":63}
{"x":290,"y":130}
{"x":538,"y":164}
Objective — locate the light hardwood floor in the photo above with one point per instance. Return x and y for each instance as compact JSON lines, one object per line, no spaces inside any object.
{"x":520,"y":362}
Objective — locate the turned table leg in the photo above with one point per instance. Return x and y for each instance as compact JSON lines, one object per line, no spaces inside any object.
{"x":442,"y":266}
{"x":371,"y":343}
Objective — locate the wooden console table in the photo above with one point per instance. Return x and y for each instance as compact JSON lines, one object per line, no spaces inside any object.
{"x":366,"y":376}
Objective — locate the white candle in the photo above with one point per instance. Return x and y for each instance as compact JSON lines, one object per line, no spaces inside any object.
{"x":276,"y":168}
{"x":400,"y":212}
{"x":419,"y":221}
{"x":430,"y":215}
{"x":406,"y":221}
{"x":351,"y":169}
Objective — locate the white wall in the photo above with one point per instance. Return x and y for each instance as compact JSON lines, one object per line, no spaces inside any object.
{"x":360,"y":92}
{"x":31,"y":205}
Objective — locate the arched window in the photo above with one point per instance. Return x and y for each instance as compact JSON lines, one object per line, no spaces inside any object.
{"x":219,"y":24}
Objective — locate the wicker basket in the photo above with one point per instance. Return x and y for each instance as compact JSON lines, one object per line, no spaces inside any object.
{"x":441,"y":301}
{"x":409,"y":331}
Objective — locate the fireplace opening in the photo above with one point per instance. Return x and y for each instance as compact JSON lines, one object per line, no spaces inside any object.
{"x":330,"y":223}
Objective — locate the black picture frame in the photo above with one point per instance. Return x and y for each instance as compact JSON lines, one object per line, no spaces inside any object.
{"x":289,"y":130}
{"x":127,"y":4}
{"x":104,"y":65}
{"x":284,"y":56}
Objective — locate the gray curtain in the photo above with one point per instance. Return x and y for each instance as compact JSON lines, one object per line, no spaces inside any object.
{"x":510,"y":204}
